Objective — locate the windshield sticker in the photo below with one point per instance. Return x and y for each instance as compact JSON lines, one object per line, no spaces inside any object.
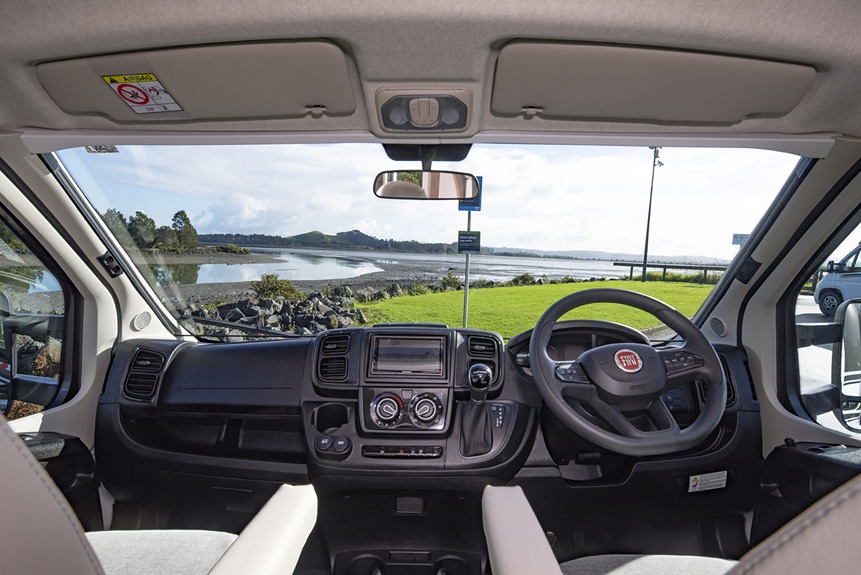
{"x":143,"y":93}
{"x":102,"y":149}
{"x":707,"y":481}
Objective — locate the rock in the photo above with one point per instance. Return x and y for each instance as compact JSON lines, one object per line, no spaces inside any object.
{"x":234,"y":314}
{"x":54,"y":348}
{"x":266,"y":304}
{"x":303,"y":320}
{"x":316,"y":328}
{"x":235,"y":336}
{"x":360,"y":315}
{"x":395,"y":290}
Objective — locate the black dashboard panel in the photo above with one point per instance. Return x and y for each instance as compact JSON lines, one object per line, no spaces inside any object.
{"x":347,"y":358}
{"x":237,"y":377}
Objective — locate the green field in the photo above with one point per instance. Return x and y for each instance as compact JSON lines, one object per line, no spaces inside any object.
{"x":511,"y":310}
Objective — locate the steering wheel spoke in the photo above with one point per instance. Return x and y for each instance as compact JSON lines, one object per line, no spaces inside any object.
{"x":572,"y":382}
{"x":614,"y":417}
{"x":662,"y":417}
{"x":680,"y":363}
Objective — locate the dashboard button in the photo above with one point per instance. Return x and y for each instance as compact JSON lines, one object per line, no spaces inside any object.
{"x":323,"y":442}
{"x":570,"y":373}
{"x":341,"y":444}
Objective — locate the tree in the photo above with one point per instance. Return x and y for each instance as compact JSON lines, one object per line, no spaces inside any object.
{"x":165,"y":238}
{"x":142,"y":229}
{"x":186,"y":235}
{"x":116,"y":222}
{"x":11,"y":240}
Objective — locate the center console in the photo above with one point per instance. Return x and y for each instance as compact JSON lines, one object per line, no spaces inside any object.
{"x":406,"y":426}
{"x":398,"y":397}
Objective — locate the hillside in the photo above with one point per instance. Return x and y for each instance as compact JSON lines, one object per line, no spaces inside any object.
{"x":351,"y":240}
{"x":356,"y":240}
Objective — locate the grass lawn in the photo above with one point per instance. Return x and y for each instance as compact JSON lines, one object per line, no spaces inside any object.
{"x":511,"y":310}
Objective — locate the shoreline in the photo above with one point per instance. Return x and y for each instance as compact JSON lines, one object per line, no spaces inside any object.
{"x":403,"y":274}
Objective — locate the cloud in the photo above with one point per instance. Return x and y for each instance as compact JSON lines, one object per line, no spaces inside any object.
{"x":534,"y":197}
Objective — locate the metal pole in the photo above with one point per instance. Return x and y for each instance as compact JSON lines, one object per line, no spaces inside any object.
{"x":649,"y":215}
{"x":466,"y":273}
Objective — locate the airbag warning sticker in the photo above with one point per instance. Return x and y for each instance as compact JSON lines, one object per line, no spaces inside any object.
{"x":143,"y":93}
{"x":707,"y":481}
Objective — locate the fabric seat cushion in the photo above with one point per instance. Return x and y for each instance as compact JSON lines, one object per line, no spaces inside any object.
{"x":161,"y":552}
{"x":647,"y":565}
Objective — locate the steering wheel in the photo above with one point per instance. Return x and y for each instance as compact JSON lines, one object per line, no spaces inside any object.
{"x":611,"y":394}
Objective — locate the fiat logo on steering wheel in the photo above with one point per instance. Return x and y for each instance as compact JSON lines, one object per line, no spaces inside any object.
{"x":628,"y":361}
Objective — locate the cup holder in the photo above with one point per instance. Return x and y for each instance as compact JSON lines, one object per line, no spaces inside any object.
{"x":451,"y":565}
{"x":386,"y":563}
{"x":366,"y":565}
{"x":329,"y":417}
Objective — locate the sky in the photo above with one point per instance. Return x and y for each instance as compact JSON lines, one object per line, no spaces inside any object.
{"x":533,"y":197}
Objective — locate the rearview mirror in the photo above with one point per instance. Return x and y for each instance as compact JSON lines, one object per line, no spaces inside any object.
{"x":426,"y":185}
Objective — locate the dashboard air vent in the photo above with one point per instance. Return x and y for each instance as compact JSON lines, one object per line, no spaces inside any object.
{"x":141,"y":385}
{"x":142,"y":378}
{"x":333,"y":369}
{"x":335,"y":345}
{"x":146,"y":360}
{"x":482,"y":347}
{"x":730,"y":386}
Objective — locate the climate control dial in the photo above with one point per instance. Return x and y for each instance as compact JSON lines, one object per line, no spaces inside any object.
{"x":425,"y":409}
{"x":386,"y":409}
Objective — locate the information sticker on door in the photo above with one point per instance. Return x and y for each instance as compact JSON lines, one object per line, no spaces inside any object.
{"x":707,"y":481}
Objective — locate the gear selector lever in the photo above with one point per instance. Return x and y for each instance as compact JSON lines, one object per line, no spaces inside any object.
{"x":479,"y":382}
{"x":476,"y":436}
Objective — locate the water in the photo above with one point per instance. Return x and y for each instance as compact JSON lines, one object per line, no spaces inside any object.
{"x":309,"y":264}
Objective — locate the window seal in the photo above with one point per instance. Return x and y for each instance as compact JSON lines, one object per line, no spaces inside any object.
{"x":86,"y":209}
{"x":72,"y":349}
{"x":790,"y":393}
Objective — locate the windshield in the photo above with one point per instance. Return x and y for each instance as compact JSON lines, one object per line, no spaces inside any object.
{"x":239,"y":241}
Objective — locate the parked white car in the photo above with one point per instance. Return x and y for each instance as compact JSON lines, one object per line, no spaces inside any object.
{"x":841,"y":283}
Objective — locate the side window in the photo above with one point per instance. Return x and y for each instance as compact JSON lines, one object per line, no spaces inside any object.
{"x":828,"y":328}
{"x":32,"y":321}
{"x":852,"y":262}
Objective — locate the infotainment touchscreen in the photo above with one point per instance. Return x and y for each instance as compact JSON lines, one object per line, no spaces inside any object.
{"x":408,"y":355}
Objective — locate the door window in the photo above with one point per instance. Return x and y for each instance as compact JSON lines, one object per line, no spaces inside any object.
{"x":32,"y":322}
{"x":828,"y":329}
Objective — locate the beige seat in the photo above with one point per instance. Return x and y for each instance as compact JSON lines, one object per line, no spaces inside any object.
{"x":39,"y":533}
{"x":820,"y":540}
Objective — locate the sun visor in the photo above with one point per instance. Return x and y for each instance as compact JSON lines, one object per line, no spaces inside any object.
{"x":236,"y":81}
{"x":601,"y":82}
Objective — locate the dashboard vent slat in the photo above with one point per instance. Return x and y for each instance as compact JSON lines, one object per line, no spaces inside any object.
{"x":335,"y":345}
{"x":147,"y":361}
{"x":333,"y":369}
{"x":482,"y":346}
{"x":142,"y":379}
{"x":141,"y":385}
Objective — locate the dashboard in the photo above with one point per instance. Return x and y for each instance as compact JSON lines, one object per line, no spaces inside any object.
{"x":381,"y":403}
